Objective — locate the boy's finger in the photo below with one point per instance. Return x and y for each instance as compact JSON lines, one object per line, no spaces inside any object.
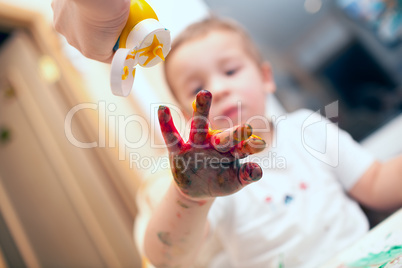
{"x":172,"y":138}
{"x":200,"y":122}
{"x":248,"y":173}
{"x":252,"y":145}
{"x":225,"y":140}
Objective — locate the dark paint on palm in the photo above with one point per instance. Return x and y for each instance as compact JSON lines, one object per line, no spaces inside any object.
{"x":199,"y":169}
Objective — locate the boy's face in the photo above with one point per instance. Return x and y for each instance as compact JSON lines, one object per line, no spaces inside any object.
{"x":219,"y":63}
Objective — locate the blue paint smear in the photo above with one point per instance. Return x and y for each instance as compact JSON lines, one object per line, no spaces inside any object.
{"x":288,"y":199}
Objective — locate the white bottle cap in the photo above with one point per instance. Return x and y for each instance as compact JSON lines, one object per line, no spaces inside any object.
{"x":143,"y":46}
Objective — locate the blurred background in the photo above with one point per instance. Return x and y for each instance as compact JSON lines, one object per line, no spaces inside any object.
{"x":68,"y":178}
{"x":326,"y":50}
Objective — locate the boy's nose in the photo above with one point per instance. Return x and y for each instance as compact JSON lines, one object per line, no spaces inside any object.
{"x":219,"y":89}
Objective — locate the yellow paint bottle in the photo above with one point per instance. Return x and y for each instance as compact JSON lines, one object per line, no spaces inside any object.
{"x":143,"y":41}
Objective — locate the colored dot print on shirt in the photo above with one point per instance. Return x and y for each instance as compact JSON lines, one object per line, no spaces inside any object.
{"x":269,"y":201}
{"x":303,"y":186}
{"x":288,"y":199}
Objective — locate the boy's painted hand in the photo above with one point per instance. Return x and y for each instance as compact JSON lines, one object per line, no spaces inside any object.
{"x":207,"y":165}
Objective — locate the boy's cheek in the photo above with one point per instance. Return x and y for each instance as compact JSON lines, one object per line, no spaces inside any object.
{"x":185,"y":108}
{"x":187,"y":113}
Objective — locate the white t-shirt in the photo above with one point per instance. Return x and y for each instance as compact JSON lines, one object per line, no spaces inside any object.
{"x":297,"y":215}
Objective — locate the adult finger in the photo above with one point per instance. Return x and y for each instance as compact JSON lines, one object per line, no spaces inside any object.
{"x":200,"y":122}
{"x":248,"y":173}
{"x":172,"y":138}
{"x":225,"y":140}
{"x":252,"y":145}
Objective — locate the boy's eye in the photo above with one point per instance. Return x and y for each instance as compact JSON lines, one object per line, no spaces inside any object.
{"x":231,"y":72}
{"x":198,"y":89}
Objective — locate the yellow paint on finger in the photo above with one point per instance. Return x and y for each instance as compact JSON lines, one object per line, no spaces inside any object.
{"x":214,"y":131}
{"x":255,"y":136}
{"x":242,"y":133}
{"x":145,"y":262}
{"x":194,"y":106}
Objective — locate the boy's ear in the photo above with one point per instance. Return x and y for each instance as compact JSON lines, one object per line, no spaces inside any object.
{"x":268,"y":78}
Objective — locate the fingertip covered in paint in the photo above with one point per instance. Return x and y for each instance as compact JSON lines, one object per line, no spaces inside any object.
{"x":250,"y":172}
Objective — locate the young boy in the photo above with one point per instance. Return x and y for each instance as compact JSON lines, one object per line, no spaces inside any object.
{"x":300,"y":213}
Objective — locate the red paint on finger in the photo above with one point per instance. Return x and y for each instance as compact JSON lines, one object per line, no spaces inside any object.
{"x":250,"y":172}
{"x":242,"y":133}
{"x":203,"y":101}
{"x":255,"y":171}
{"x":165,"y":119}
{"x":169,"y":131}
{"x":200,"y":123}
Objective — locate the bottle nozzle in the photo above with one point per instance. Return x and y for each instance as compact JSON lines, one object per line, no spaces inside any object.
{"x":158,"y":52}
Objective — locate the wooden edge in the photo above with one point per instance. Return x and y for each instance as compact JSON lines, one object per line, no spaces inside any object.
{"x":73,"y":92}
{"x":16,"y":230}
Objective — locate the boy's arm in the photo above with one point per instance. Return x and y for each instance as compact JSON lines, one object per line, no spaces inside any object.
{"x":176,"y":230}
{"x":380,"y":187}
{"x":203,"y":168}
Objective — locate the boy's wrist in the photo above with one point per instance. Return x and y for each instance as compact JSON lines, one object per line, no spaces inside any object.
{"x":188,"y":202}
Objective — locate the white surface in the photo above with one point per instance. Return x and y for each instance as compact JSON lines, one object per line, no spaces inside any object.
{"x":386,"y":142}
{"x":386,"y":234}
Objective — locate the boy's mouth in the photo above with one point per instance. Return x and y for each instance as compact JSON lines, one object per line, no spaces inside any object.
{"x":230,"y":112}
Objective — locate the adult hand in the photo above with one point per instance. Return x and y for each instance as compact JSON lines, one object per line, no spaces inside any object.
{"x":207,"y":165}
{"x":91,"y":26}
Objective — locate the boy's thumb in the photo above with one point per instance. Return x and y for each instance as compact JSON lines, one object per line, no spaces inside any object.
{"x":249,"y":172}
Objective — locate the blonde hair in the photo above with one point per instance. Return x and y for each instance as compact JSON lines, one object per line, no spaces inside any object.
{"x":210,"y":24}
